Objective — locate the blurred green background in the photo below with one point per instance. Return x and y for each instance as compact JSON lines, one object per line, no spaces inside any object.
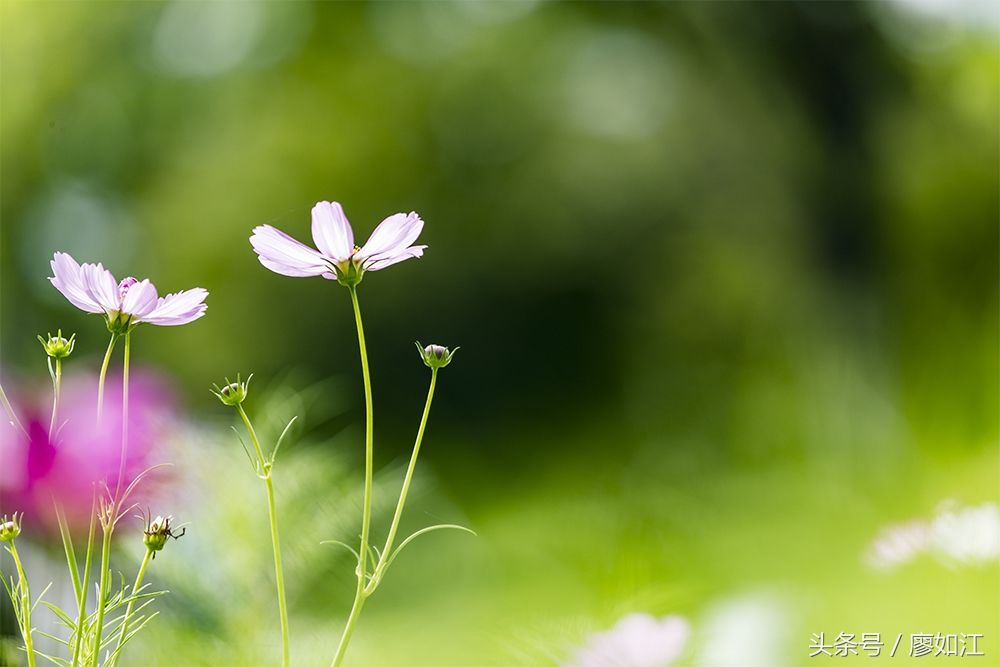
{"x":724,"y":276}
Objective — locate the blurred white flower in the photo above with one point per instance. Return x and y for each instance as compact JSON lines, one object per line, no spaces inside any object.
{"x":637,"y":640}
{"x":898,"y":544}
{"x":967,"y":535}
{"x":956,"y":536}
{"x":751,"y":630}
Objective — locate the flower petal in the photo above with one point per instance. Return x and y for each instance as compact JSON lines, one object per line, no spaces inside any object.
{"x":393,"y":235}
{"x":140,"y":299}
{"x":331,"y":231}
{"x":180,"y":308}
{"x":102,"y":286}
{"x":412,"y":251}
{"x":67,"y":277}
{"x":282,"y":254}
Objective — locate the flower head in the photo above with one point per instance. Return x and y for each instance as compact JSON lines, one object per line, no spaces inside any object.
{"x":37,"y":467}
{"x":10,"y":527}
{"x":337,"y":258}
{"x":436,"y":356}
{"x":58,"y":347}
{"x":92,"y":288}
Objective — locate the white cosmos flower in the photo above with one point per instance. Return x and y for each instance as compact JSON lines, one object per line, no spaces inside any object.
{"x":335,"y":256}
{"x":92,"y":288}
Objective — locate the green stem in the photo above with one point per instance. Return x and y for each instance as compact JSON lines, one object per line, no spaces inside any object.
{"x":279,"y":576}
{"x":275,"y":542}
{"x":359,"y":602}
{"x":124,"y":449}
{"x":104,"y":372}
{"x":387,"y":550}
{"x":25,"y":606}
{"x":360,"y":594}
{"x":56,"y":383}
{"x":102,"y":596}
{"x":253,"y":436}
{"x":85,"y":587}
{"x":131,"y":604}
{"x":9,"y":409}
{"x":109,"y":520}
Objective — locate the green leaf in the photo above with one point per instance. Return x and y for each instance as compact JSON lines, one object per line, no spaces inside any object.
{"x":39,"y":597}
{"x":346,"y":546}
{"x":67,"y":540}
{"x":281,"y":438}
{"x":63,"y":616}
{"x":429,"y":529}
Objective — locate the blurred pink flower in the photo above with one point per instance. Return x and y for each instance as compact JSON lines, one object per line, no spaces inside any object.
{"x":637,"y":640}
{"x":337,"y":254}
{"x":93,"y":288}
{"x":955,"y":536}
{"x":83,"y":455}
{"x":898,"y":544}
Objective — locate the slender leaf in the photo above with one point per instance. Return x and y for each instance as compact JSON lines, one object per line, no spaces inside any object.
{"x":67,"y":540}
{"x":420,"y":532}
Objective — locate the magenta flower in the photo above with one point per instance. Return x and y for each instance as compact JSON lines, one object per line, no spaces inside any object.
{"x":337,"y":258}
{"x":93,"y":288}
{"x":39,"y":467}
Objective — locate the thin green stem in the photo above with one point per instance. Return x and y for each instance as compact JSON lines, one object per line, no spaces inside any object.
{"x":360,"y":594}
{"x":56,"y":383}
{"x":9,"y":409}
{"x":352,"y":619}
{"x":104,"y":373}
{"x":25,"y":606}
{"x":279,"y":576}
{"x":85,"y":586}
{"x":387,"y":549}
{"x":102,"y":596}
{"x":253,"y":436}
{"x":131,"y":604}
{"x":124,"y":449}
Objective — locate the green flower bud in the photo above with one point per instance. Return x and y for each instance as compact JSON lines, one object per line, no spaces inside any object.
{"x":436,"y":356}
{"x":58,"y":347}
{"x":10,"y":527}
{"x":156,"y":532}
{"x":233,"y":393}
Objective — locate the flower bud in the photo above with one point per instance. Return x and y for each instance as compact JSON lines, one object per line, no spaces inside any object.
{"x":10,"y":527}
{"x":155,"y":535}
{"x":58,"y":347}
{"x":436,"y":356}
{"x":156,"y":532}
{"x":233,"y":393}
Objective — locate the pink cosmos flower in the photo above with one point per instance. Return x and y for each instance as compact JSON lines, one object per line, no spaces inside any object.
{"x":92,"y":288}
{"x":337,"y":258}
{"x":83,"y":456}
